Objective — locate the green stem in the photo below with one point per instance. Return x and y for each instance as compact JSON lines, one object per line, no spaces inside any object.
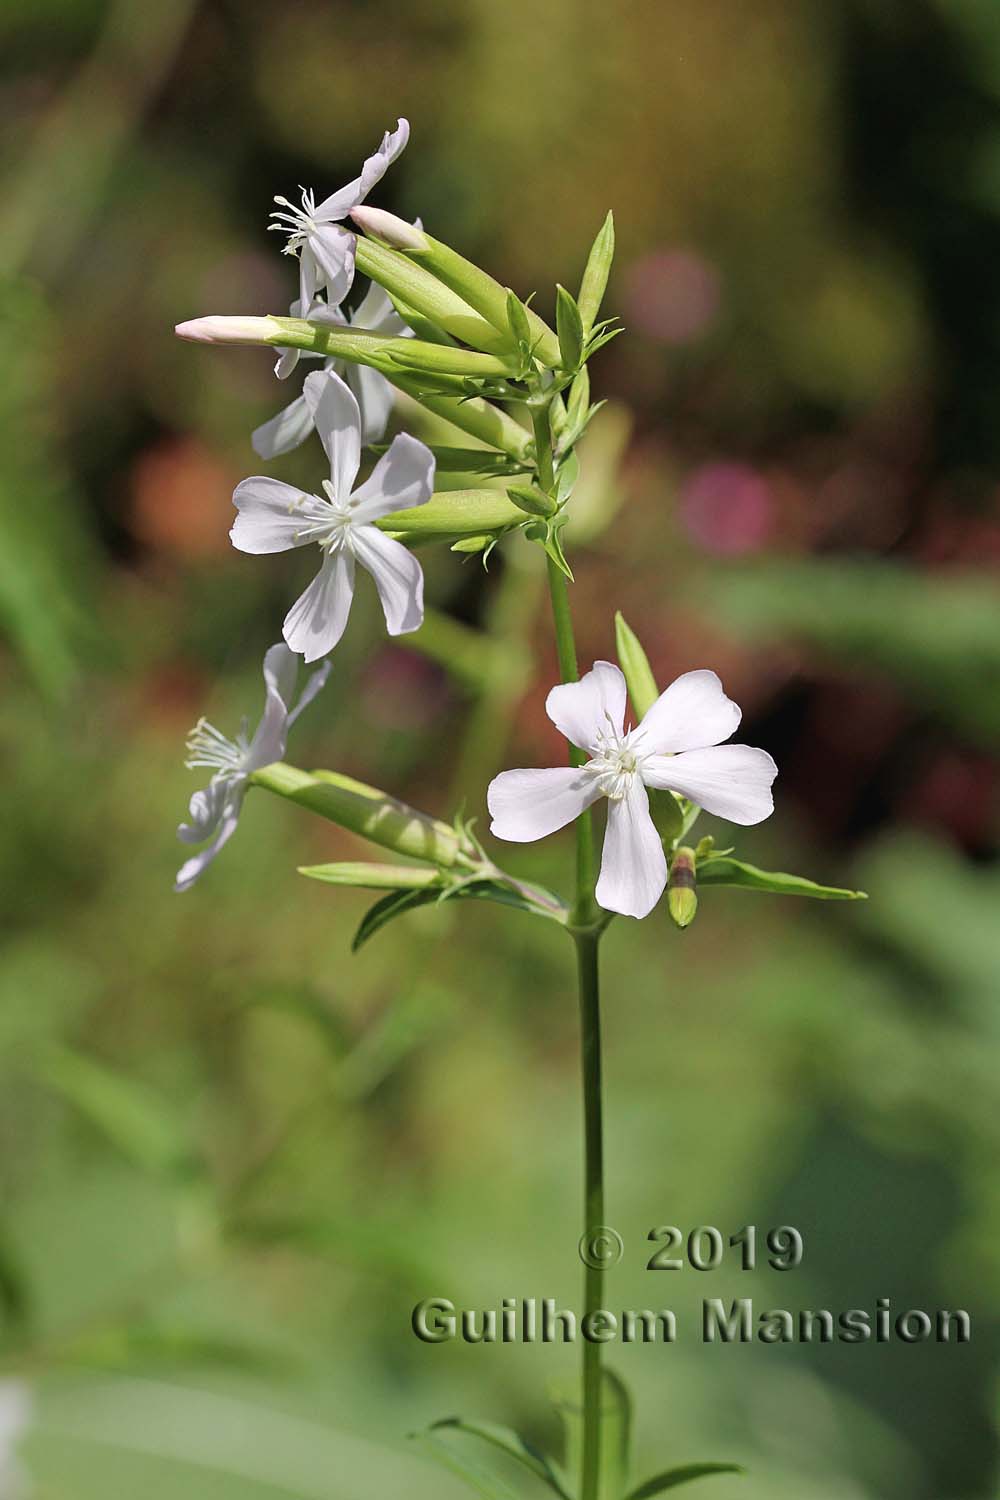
{"x":593,"y":1217}
{"x":587,"y":936}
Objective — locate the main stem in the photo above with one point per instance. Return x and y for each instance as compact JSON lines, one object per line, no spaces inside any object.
{"x":587,"y":936}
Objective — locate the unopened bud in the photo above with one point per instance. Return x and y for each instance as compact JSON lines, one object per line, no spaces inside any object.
{"x":389,"y":228}
{"x":222,"y":330}
{"x":682,"y":893}
{"x":532,"y":500}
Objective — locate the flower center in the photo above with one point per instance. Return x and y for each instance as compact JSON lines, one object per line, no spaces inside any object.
{"x":297,"y":223}
{"x":617,"y":761}
{"x":207,"y":746}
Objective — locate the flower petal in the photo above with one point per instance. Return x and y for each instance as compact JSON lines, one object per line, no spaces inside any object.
{"x":286,"y":362}
{"x":340,"y":203}
{"x":198,"y":863}
{"x":204,"y":811}
{"x":375,"y":398}
{"x":402,"y":478}
{"x":285,"y":431}
{"x":332,"y":249}
{"x":281,"y":668}
{"x":584,"y":711}
{"x":308,"y":277}
{"x":398,"y":577}
{"x":273,"y":516}
{"x":731,"y":781}
{"x":316,"y":621}
{"x":633,"y":865}
{"x":528,"y":805}
{"x":692,"y":713}
{"x":338,"y":422}
{"x":375,"y":313}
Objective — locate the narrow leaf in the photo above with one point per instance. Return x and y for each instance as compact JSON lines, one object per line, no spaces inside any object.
{"x":569,"y":326}
{"x":723,"y":871}
{"x":517,"y":317}
{"x":513,"y":1445}
{"x":523,"y":897}
{"x":634,"y":662}
{"x":553,"y":549}
{"x":682,"y":1475}
{"x":596,"y":273}
{"x":373,"y":877}
{"x":479,"y":1479}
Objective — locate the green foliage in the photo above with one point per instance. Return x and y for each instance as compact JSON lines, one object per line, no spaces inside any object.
{"x":596,"y":273}
{"x":721,"y":870}
{"x":616,"y":1435}
{"x":511,"y":1444}
{"x":671,"y":1479}
{"x":569,"y":325}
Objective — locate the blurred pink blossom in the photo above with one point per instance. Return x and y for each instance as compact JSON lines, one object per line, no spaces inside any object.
{"x":672,"y":295}
{"x":727,"y":507}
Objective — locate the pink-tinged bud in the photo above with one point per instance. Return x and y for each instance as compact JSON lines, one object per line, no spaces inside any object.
{"x":220,"y":330}
{"x":389,"y":228}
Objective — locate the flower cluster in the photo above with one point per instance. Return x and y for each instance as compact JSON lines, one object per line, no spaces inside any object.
{"x":478,"y":343}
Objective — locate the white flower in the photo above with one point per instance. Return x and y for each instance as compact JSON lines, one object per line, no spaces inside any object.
{"x":216,"y":810}
{"x":372,"y":391}
{"x":315,"y":230}
{"x":15,"y":1417}
{"x":274,"y":517}
{"x":677,"y":747}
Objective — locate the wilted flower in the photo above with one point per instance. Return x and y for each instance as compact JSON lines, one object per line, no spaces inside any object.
{"x":373,"y":393}
{"x":677,"y":747}
{"x":315,"y":230}
{"x":216,"y":810}
{"x":274,"y":517}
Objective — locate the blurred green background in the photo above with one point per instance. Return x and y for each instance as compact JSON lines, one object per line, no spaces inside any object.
{"x":232,"y":1156}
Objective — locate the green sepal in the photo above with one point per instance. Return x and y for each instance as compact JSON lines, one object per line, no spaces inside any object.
{"x":485,"y":295}
{"x":578,"y":404}
{"x":510,"y":1443}
{"x":547,"y":533}
{"x":451,"y":514}
{"x":476,"y":417}
{"x":634,"y":662}
{"x":671,"y":1479}
{"x":374,"y":877}
{"x":569,"y":473}
{"x":532,"y":500}
{"x":667,"y":814}
{"x":451,"y":460}
{"x":596,"y":273}
{"x":472,"y":543}
{"x":569,"y":325}
{"x":425,"y":294}
{"x":520,"y":327}
{"x":446,"y":359}
{"x":721,"y":870}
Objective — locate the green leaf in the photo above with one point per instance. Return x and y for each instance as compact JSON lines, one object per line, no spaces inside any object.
{"x":569,"y":326}
{"x":578,"y":404}
{"x":131,"y":1116}
{"x":569,"y":473}
{"x":552,"y":545}
{"x":478,"y":1478}
{"x":671,"y":1478}
{"x":616,"y":1435}
{"x":529,"y":898}
{"x":596,"y":273}
{"x":517,"y":317}
{"x":513,"y":1445}
{"x":667,"y":814}
{"x":634,"y":662}
{"x":374,"y":877}
{"x":719,"y":870}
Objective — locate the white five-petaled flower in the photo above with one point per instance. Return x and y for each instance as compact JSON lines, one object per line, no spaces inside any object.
{"x":373,"y":393}
{"x":216,"y":810}
{"x":677,"y":747}
{"x":274,"y":517}
{"x":15,"y":1417}
{"x":316,"y":232}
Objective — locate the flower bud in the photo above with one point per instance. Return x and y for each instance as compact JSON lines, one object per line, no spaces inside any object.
{"x":389,"y":228}
{"x":595,"y":277}
{"x":530,"y":499}
{"x":221,"y":330}
{"x":635,"y":666}
{"x":682,"y":893}
{"x":450,"y":514}
{"x":414,"y":286}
